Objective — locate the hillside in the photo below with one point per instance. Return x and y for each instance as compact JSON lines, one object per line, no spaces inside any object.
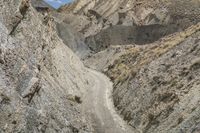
{"x":149,"y":49}
{"x":157,"y":87}
{"x":41,"y":79}
{"x":100,"y":66}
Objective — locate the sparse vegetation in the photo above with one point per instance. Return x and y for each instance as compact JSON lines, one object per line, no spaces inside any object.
{"x":135,"y":58}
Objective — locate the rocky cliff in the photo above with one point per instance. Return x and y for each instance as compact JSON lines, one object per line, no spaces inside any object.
{"x":149,"y":49}
{"x":41,"y":79}
{"x":129,"y":21}
{"x":130,"y":12}
{"x":156,"y":87}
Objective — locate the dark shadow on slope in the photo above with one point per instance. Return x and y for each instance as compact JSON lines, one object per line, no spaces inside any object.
{"x":123,"y":35}
{"x":72,"y":39}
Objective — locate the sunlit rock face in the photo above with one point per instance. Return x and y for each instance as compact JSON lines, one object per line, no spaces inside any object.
{"x":131,"y":12}
{"x":112,"y":22}
{"x":149,"y":49}
{"x":39,"y":75}
{"x":156,"y":83}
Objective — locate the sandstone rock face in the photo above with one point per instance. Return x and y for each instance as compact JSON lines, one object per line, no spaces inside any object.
{"x":40,"y":77}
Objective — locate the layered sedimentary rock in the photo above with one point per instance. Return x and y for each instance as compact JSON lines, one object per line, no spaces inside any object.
{"x":113,"y":22}
{"x":155,"y":84}
{"x":157,"y":87}
{"x":41,"y":79}
{"x":149,"y":49}
{"x":130,"y":12}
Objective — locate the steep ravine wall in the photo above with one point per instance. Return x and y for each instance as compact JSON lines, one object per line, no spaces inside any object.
{"x":73,"y":39}
{"x":155,"y":85}
{"x":97,"y":15}
{"x":156,"y":88}
{"x":41,"y":79}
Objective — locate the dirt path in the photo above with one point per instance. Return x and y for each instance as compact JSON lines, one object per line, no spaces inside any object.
{"x":99,"y":106}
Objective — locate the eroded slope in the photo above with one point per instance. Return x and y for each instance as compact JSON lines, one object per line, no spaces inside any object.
{"x":157,"y":86}
{"x":41,"y":80}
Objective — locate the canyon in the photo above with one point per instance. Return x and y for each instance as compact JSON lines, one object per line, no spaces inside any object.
{"x":100,"y":66}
